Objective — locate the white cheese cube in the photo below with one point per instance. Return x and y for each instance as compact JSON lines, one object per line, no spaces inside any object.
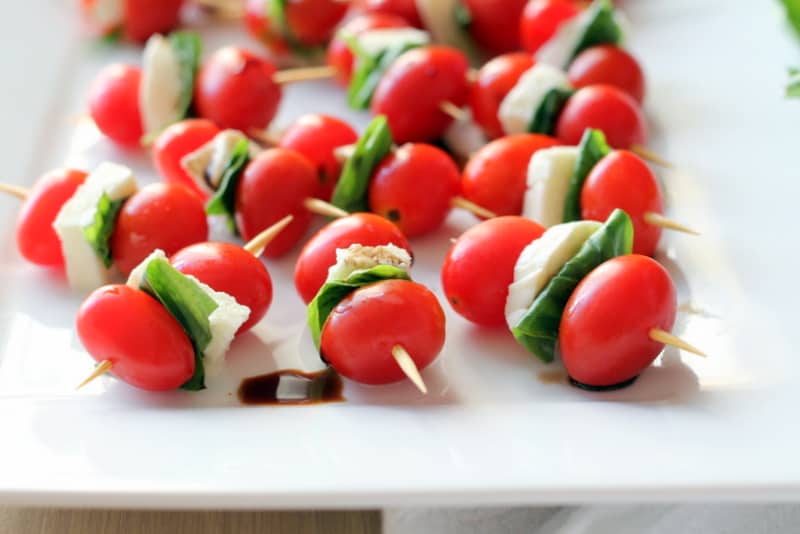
{"x":207,"y":164}
{"x":549,"y":174}
{"x":463,"y":137}
{"x":160,"y":87}
{"x":521,"y":103}
{"x":373,"y":42}
{"x":559,"y":49}
{"x":360,"y":258}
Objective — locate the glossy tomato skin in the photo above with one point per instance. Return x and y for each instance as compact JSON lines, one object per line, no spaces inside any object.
{"x":319,"y":253}
{"x":358,"y":337}
{"x":610,"y":65}
{"x":604,"y":331}
{"x":605,"y":108}
{"x":147,"y":347}
{"x":541,"y":19}
{"x":260,"y":26}
{"x":309,"y":23}
{"x":231,"y":269}
{"x":495,"y":176}
{"x":159,"y":216}
{"x":235,"y":89}
{"x":479,"y":267}
{"x":114,"y":103}
{"x":339,"y":55}
{"x":175,"y":142}
{"x":272,"y":186}
{"x":495,"y":79}
{"x":622,"y":180}
{"x":406,"y":9}
{"x":489,"y":24}
{"x":316,"y":136}
{"x":37,"y":241}
{"x":144,"y":18}
{"x":414,"y":187}
{"x":412,"y":90}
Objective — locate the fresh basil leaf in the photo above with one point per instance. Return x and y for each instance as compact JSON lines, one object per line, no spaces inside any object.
{"x":546,"y":115}
{"x":537,"y":331}
{"x":369,"y":71}
{"x":602,"y":28}
{"x":188,"y":48}
{"x":592,"y":148}
{"x":792,"y":8}
{"x":793,"y":87}
{"x":374,"y":144}
{"x":224,"y":200}
{"x":188,"y":304}
{"x":462,"y":15}
{"x":332,"y":293}
{"x":98,"y":233}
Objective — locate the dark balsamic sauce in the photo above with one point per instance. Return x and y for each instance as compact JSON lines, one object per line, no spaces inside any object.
{"x":612,"y":387}
{"x":300,"y":388}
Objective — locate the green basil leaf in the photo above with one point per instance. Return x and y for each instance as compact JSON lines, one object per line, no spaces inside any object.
{"x":98,"y":233}
{"x":463,"y":15}
{"x":332,"y":293}
{"x":188,"y":48}
{"x":188,"y":304}
{"x":224,"y":200}
{"x":592,"y":148}
{"x":792,"y":8}
{"x":537,"y":331}
{"x":546,"y":115}
{"x":374,"y":144}
{"x":793,"y":87}
{"x":602,"y":28}
{"x":369,"y":71}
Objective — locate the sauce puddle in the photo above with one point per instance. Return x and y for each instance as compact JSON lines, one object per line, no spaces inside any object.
{"x":556,"y":376}
{"x":291,"y":387}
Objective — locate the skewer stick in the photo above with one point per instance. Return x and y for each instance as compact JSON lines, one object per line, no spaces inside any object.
{"x":320,"y":207}
{"x":257,"y":245}
{"x":14,"y":190}
{"x":264,"y":137}
{"x":454,"y":111}
{"x":475,"y":209}
{"x":407,"y":365}
{"x":648,"y":155}
{"x":304,"y":74}
{"x":99,"y":370}
{"x":656,"y":219}
{"x":661,"y":336}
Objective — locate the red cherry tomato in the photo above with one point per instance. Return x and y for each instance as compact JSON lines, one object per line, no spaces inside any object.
{"x":235,"y":90}
{"x":315,"y":136}
{"x":407,"y":9}
{"x":610,"y":65}
{"x":308,"y":23}
{"x":622,"y":180}
{"x":605,"y":108}
{"x":165,"y":216}
{"x":413,"y":187}
{"x":358,"y":337}
{"x":37,"y":241}
{"x":489,"y":23}
{"x":319,"y":254}
{"x":339,"y":55}
{"x":541,"y":19}
{"x":479,"y":267}
{"x":413,"y":89}
{"x":604,"y":332}
{"x":274,"y":185}
{"x":260,"y":26}
{"x":177,"y":141}
{"x":147,"y":347}
{"x":114,"y":103}
{"x":231,"y":269}
{"x":495,"y":79}
{"x":495,"y":177}
{"x":143,"y":18}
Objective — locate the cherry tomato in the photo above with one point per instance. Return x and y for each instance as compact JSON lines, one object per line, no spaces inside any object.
{"x":114,"y":103}
{"x":274,"y":185}
{"x":479,"y":267}
{"x":414,"y":87}
{"x":37,"y":241}
{"x":495,"y":79}
{"x":541,"y":19}
{"x":143,"y":18}
{"x":605,"y":108}
{"x":610,"y":65}
{"x":489,"y":23}
{"x":407,"y":9}
{"x":358,"y":337}
{"x":622,"y":180}
{"x":495,"y":177}
{"x":308,"y":22}
{"x":604,"y":331}
{"x":177,"y":141}
{"x":147,"y":347}
{"x":260,"y":26}
{"x":315,"y":136}
{"x":235,"y":90}
{"x":231,"y":269}
{"x":165,"y":216}
{"x":413,"y":187}
{"x":339,"y":54}
{"x":319,"y":254}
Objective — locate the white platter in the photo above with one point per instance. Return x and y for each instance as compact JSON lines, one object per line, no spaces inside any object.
{"x":724,"y":427}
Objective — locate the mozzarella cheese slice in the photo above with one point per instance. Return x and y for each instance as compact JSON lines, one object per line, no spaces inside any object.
{"x":463,"y":137}
{"x":374,"y":42}
{"x":85,"y":270}
{"x":520,"y":104}
{"x":549,"y":174}
{"x":540,"y":262}
{"x":207,"y":164}
{"x":560,"y":48}
{"x":160,"y":88}
{"x":360,"y":258}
